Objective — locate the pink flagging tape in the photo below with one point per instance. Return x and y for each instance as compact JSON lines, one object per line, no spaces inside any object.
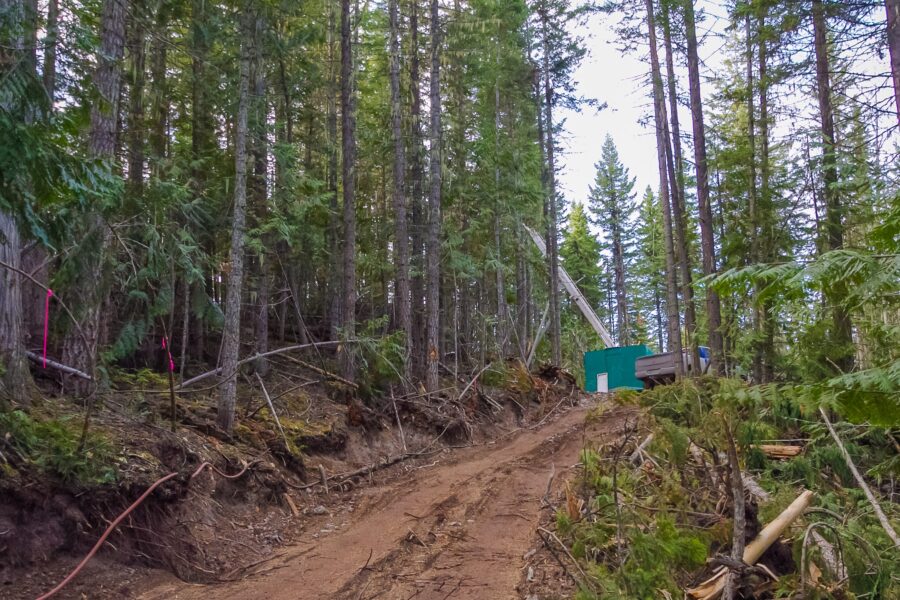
{"x":46,"y":322}
{"x":165,"y":345}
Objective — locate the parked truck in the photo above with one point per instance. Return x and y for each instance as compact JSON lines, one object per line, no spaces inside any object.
{"x":659,"y":368}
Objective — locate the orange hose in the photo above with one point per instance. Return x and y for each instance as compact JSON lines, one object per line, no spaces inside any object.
{"x":205,"y":464}
{"x":127,"y":511}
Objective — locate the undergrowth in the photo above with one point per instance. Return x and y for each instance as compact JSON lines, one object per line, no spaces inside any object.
{"x":645,"y":529}
{"x":52,"y":446}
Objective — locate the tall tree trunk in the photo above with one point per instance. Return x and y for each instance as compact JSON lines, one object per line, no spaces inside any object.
{"x":679,"y":206}
{"x":834,"y":225}
{"x":293,"y":273}
{"x":15,"y":379}
{"x":622,"y":325}
{"x":259,"y":187}
{"x":107,"y":79}
{"x":433,"y":245}
{"x":202,"y":130}
{"x":545,"y":183}
{"x":755,"y":256}
{"x":893,"y":34}
{"x":657,"y":305}
{"x":463,"y":360}
{"x":552,"y":218}
{"x":401,"y":234}
{"x":659,"y":111}
{"x":335,"y":281}
{"x":160,"y":102}
{"x":707,"y":237}
{"x":136,"y":44}
{"x":502,"y":309}
{"x":348,"y":178}
{"x":50,"y":43}
{"x":102,"y":145}
{"x":521,"y":296}
{"x":231,"y":342}
{"x":767,"y":333}
{"x":417,"y":223}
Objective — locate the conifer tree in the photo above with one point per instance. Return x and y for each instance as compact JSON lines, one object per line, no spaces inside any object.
{"x":14,"y":374}
{"x":612,"y":209}
{"x":107,"y":79}
{"x":648,"y":273}
{"x":663,"y":157}
{"x":232,"y":330}
{"x":580,"y":254}
{"x":348,"y":182}
{"x":433,"y":243}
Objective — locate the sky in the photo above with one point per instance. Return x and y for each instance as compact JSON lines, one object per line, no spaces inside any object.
{"x":614,"y":78}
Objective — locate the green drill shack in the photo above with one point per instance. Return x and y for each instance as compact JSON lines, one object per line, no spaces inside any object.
{"x":613,"y":368}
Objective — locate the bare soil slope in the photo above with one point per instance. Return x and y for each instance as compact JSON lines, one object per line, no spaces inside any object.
{"x":452,"y":530}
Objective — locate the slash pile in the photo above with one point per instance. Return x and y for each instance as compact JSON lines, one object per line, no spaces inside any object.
{"x":653,"y":514}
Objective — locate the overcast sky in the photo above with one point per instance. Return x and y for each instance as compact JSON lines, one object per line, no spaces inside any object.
{"x":616,"y":79}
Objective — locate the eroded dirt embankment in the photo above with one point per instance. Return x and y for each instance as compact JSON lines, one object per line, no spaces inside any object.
{"x":210,"y":529}
{"x":455,"y":529}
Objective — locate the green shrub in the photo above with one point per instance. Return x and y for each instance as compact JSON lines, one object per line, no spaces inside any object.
{"x":52,"y":446}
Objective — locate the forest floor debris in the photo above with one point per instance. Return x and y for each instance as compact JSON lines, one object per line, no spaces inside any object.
{"x":218,"y":530}
{"x":649,"y":513}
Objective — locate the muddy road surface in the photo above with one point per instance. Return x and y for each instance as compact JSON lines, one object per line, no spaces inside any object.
{"x":456,"y":530}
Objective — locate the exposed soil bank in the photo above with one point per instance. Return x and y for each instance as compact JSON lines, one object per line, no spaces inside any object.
{"x":213,"y":530}
{"x":456,"y":529}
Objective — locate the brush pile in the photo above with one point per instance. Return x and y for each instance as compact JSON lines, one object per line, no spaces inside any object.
{"x":653,"y":514}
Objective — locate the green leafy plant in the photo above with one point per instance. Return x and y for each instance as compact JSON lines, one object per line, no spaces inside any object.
{"x":52,"y":446}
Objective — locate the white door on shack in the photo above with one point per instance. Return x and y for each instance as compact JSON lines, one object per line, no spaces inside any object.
{"x":603,"y":383}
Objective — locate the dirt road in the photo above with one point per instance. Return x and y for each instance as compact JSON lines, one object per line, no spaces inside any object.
{"x":451,"y":531}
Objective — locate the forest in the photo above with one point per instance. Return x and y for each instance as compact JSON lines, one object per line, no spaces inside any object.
{"x":200,"y":190}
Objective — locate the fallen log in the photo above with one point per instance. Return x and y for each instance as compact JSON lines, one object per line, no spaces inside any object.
{"x":58,"y":366}
{"x":272,"y":408}
{"x":257,"y":356}
{"x":712,"y":588}
{"x":882,"y":518}
{"x":831,"y":559}
{"x":321,"y":372}
{"x":779,"y":451}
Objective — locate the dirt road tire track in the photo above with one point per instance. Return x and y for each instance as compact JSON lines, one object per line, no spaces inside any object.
{"x":454,"y":531}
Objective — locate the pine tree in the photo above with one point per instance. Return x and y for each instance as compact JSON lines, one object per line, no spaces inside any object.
{"x":433,"y":242}
{"x":612,"y":209}
{"x":232,"y":330}
{"x":93,"y":278}
{"x":348,"y":182}
{"x":580,"y":254}
{"x":834,"y":223}
{"x":704,"y":208}
{"x":14,"y":375}
{"x":649,"y":270}
{"x":662,"y":158}
{"x":401,"y":231}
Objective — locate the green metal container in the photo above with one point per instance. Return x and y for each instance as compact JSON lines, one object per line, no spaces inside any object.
{"x":613,"y":368}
